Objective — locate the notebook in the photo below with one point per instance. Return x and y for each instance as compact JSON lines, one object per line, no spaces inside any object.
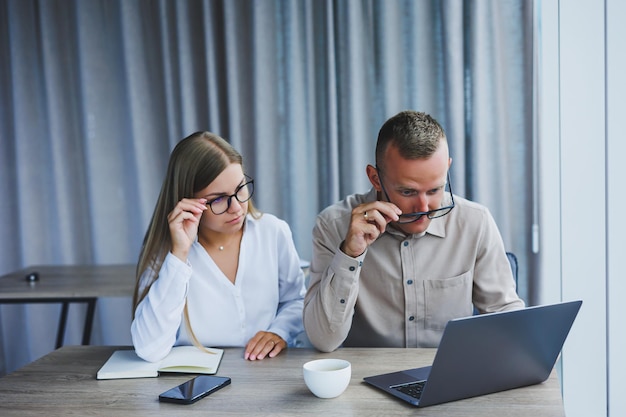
{"x":487,"y":353}
{"x":181,"y":359}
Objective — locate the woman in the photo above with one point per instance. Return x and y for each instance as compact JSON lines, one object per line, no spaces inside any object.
{"x":214,"y":271}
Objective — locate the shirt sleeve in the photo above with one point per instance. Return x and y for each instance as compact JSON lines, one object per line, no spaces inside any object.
{"x":494,"y":285}
{"x":158,"y":316}
{"x":333,"y":290}
{"x":288,"y":321}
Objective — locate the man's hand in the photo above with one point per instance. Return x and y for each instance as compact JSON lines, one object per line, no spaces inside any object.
{"x":367,"y":222}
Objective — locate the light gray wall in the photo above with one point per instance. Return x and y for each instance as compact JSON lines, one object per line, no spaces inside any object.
{"x":581,"y":125}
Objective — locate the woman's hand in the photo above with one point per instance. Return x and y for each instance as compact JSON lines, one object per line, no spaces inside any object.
{"x":184,"y":220}
{"x":264,"y":344}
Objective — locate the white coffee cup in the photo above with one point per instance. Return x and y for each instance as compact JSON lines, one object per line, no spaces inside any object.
{"x":327,"y":378}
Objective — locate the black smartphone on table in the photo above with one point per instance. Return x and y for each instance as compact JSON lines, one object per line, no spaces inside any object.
{"x":191,"y":391}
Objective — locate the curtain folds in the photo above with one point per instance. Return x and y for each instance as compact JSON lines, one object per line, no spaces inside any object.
{"x":95,"y":93}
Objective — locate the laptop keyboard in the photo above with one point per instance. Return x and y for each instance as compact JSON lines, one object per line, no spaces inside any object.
{"x":413,"y":389}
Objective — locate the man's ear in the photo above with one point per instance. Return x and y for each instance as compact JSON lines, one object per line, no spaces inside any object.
{"x":372,"y":174}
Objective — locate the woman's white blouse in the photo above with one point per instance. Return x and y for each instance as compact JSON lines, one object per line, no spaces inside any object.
{"x":267,"y":294}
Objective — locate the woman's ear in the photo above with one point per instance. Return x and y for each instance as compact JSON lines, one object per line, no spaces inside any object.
{"x":372,"y":174}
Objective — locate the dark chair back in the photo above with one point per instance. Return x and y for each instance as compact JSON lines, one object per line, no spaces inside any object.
{"x":514,"y":266}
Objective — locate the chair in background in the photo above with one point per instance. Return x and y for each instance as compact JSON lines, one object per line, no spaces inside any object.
{"x":514,"y":267}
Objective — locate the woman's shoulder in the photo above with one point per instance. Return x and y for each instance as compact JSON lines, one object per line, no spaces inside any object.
{"x":268,"y":221}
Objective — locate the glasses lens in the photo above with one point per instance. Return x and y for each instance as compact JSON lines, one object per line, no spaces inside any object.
{"x":245,"y":192}
{"x":410,"y":218}
{"x":219,"y":205}
{"x":448,"y":205}
{"x":439,"y":212}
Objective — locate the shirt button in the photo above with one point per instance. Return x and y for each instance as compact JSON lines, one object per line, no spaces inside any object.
{"x":406,"y":243}
{"x":360,"y":263}
{"x":352,"y":268}
{"x":342,"y":301}
{"x":410,"y":282}
{"x":411,"y":318}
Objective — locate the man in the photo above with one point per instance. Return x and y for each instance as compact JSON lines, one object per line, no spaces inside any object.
{"x":392,"y":266}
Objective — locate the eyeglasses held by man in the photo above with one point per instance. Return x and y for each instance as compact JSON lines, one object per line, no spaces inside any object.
{"x":431,"y":214}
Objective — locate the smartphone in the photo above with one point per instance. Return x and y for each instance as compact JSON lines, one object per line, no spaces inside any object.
{"x":191,"y":391}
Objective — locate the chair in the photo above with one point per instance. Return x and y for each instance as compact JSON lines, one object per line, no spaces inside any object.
{"x":514,"y":266}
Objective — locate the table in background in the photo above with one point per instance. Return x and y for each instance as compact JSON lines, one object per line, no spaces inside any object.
{"x":64,"y":383}
{"x":68,"y":284}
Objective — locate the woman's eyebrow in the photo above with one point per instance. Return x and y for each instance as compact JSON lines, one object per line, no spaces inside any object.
{"x":218,"y":194}
{"x":223,"y":193}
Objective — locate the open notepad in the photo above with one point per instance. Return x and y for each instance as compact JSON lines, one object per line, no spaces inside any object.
{"x":182,"y":359}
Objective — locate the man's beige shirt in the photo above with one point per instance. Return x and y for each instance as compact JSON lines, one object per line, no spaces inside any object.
{"x":403,"y":290}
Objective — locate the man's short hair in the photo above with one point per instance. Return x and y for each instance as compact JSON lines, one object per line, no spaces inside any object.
{"x":417,"y":136}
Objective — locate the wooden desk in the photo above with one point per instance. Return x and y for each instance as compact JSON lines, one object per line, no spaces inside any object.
{"x":64,"y":383}
{"x":69,"y":284}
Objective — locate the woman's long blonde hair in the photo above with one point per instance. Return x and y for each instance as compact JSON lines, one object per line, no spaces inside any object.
{"x":194,"y":163}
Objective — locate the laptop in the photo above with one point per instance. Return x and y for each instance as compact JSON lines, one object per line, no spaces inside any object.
{"x":486,"y":353}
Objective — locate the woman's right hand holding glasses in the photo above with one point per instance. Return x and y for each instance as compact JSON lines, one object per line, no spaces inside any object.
{"x":183,"y":221}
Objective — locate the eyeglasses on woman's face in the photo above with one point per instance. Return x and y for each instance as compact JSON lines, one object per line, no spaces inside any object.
{"x":243,"y":193}
{"x":431,"y":214}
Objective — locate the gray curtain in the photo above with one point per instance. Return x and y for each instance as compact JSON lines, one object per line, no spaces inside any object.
{"x":95,"y":93}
